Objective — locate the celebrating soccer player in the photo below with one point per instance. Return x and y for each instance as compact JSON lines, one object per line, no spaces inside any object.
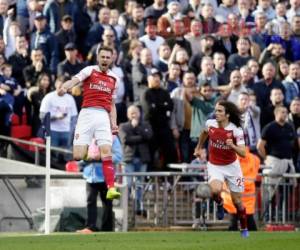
{"x":226,"y":139}
{"x":97,"y":118}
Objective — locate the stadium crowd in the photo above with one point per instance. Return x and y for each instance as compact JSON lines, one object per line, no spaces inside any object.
{"x":174,"y":60}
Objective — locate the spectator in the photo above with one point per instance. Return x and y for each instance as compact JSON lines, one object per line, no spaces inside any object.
{"x":166,"y":21}
{"x":95,"y":33}
{"x":35,"y":96}
{"x":178,"y":29}
{"x":63,"y":113}
{"x":296,"y":27}
{"x":254,"y":69}
{"x":3,"y":14}
{"x":182,"y":115}
{"x":135,"y":136}
{"x":108,"y":40}
{"x":292,"y":83}
{"x":219,"y":61}
{"x":226,"y":8}
{"x":132,"y":31}
{"x":95,"y":184}
{"x":113,"y":21}
{"x":207,"y":49}
{"x":140,"y":72}
{"x":157,"y":108}
{"x":37,"y":67}
{"x":20,"y":59}
{"x":10,"y":32}
{"x":239,"y":59}
{"x":274,"y":24}
{"x":262,"y":88}
{"x":193,"y":9}
{"x":283,"y":69}
{"x":208,"y":74}
{"x":273,"y":53}
{"x":267,"y":114}
{"x":172,"y":79}
{"x":164,"y":53}
{"x":276,"y":148}
{"x":84,"y":17}
{"x":226,"y":41}
{"x":138,"y":18}
{"x":125,"y":17}
{"x":65,"y":35}
{"x":247,"y":77}
{"x":250,"y":120}
{"x":151,"y":40}
{"x":54,"y":11}
{"x":209,"y":23}
{"x":194,"y":36}
{"x":156,"y":10}
{"x":71,"y":65}
{"x":259,"y":33}
{"x":266,"y":7}
{"x":42,"y":38}
{"x":294,"y":119}
{"x":203,"y":105}
{"x":293,"y":10}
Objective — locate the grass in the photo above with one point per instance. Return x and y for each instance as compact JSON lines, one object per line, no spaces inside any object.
{"x":153,"y":241}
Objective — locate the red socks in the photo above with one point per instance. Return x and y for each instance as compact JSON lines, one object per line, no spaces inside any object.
{"x":108,"y":171}
{"x":243,"y":217}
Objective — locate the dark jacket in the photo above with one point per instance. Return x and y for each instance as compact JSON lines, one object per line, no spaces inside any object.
{"x":47,"y":42}
{"x":135,"y":141}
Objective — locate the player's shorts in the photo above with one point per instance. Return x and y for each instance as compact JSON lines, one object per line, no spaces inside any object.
{"x":93,"y":122}
{"x":230,"y":173}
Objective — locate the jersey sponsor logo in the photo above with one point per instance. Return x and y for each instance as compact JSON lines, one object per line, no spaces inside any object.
{"x":219,"y":144}
{"x":101,"y":86}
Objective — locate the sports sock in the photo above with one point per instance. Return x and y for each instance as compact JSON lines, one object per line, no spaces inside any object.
{"x":108,"y":171}
{"x":243,"y":217}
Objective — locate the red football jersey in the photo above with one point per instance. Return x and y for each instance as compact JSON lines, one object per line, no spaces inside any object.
{"x":219,"y":152}
{"x":99,"y":88}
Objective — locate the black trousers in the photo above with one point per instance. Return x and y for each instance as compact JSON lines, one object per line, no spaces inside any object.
{"x":93,"y":189}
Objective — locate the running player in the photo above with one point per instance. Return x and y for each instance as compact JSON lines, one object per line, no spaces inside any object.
{"x":226,"y":139}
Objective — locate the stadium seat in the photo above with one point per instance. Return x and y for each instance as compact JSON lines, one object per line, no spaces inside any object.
{"x":15,"y":120}
{"x":21,"y":131}
{"x":36,"y":140}
{"x":72,"y":166}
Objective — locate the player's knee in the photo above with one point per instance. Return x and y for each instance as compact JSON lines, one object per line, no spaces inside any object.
{"x":105,"y":151}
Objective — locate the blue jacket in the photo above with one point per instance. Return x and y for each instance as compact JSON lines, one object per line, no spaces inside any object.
{"x":93,"y":172}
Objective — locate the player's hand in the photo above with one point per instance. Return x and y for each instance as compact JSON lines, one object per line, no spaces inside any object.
{"x":197,"y":152}
{"x":114,"y":129}
{"x":229,"y":142}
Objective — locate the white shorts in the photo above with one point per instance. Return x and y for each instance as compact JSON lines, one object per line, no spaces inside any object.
{"x":93,"y":122}
{"x":230,"y":173}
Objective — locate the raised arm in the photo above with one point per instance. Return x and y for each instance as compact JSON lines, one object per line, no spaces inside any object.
{"x":70,"y":84}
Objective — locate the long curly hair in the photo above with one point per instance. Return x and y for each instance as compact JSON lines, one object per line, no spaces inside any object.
{"x":233,"y":111}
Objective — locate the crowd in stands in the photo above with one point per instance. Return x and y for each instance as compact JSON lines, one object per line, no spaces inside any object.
{"x":174,"y":60}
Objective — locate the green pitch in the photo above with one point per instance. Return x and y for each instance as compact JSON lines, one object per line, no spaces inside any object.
{"x":153,"y":241}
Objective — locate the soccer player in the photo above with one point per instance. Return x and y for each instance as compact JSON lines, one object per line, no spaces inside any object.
{"x":226,"y":139}
{"x":97,"y":118}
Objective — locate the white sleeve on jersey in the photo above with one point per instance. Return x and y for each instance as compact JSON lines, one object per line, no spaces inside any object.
{"x":239,"y":135}
{"x":85,"y":72}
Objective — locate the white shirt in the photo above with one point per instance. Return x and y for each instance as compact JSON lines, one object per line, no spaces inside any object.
{"x":58,"y":105}
{"x":153,"y":45}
